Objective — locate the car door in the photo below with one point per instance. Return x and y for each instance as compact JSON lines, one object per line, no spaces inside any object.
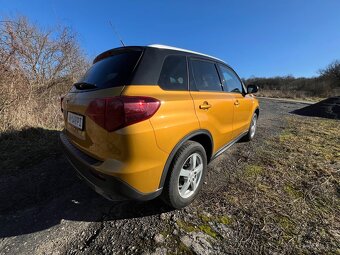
{"x":213,"y":108}
{"x":242,"y":103}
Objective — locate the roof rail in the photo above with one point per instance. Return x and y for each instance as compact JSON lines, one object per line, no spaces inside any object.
{"x":160,"y":46}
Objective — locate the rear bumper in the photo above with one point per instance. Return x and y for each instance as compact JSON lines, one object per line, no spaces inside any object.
{"x":108,"y":186}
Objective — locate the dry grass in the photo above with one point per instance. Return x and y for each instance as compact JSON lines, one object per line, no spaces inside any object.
{"x":37,"y":66}
{"x":43,"y":113}
{"x":26,"y":147}
{"x":286,"y":199}
{"x":29,"y":132}
{"x":295,"y":198}
{"x":292,"y":94}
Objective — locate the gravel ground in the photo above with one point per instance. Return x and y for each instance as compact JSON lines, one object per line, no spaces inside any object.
{"x":45,"y":209}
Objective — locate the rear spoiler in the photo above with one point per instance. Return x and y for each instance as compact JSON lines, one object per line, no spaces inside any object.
{"x":115,"y":51}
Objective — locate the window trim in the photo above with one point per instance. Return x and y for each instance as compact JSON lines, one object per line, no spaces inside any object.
{"x":191,"y":74}
{"x":186,"y":69}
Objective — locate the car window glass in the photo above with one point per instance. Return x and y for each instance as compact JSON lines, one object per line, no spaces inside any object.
{"x":205,"y":76}
{"x":230,"y":81}
{"x":174,"y":73}
{"x":112,"y":71}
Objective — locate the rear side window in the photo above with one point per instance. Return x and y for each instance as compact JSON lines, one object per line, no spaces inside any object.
{"x":205,"y":76}
{"x":112,"y":71}
{"x":231,"y":82}
{"x":174,"y":73}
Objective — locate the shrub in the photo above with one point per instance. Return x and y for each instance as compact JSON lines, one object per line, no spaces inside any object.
{"x":37,"y":66}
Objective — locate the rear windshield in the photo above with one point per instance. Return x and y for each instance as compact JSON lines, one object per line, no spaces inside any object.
{"x":112,"y":71}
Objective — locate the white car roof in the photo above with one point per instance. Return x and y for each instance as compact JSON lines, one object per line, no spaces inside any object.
{"x":160,"y":46}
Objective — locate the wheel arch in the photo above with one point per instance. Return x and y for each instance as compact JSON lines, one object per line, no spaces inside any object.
{"x":257,"y":111}
{"x":201,"y":136}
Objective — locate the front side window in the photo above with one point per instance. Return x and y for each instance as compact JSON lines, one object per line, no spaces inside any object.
{"x":174,"y":73}
{"x":230,"y":81}
{"x":205,"y":76}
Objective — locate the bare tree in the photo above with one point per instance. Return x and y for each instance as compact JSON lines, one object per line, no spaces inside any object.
{"x":42,"y":55}
{"x":37,"y":65}
{"x":332,"y":72}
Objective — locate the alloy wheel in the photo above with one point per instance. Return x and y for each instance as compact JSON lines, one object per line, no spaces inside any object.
{"x":190,"y":175}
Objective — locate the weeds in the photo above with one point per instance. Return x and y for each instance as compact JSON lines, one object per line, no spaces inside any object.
{"x":208,"y":230}
{"x":26,"y":147}
{"x":253,"y":171}
{"x":286,"y":199}
{"x":187,"y":227}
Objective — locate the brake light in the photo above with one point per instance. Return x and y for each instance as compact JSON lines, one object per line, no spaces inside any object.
{"x":117,"y":112}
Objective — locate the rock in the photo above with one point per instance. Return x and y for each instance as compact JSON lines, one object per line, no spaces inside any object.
{"x":186,"y":240}
{"x":160,"y":251}
{"x":199,"y":249}
{"x":175,"y":232}
{"x":198,"y":242}
{"x":187,"y":210}
{"x":159,"y":238}
{"x":207,"y":214}
{"x":163,"y":216}
{"x":223,"y":230}
{"x":201,"y":245}
{"x":174,"y":217}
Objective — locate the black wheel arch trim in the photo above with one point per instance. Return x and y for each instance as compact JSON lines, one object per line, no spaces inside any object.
{"x":178,"y":145}
{"x":257,"y":109}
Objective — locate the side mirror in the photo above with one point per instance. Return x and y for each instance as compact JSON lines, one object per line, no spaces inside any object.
{"x":251,"y":89}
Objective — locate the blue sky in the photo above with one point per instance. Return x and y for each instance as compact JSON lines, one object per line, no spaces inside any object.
{"x":260,"y":38}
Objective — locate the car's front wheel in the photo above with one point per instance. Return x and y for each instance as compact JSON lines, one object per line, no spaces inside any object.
{"x":252,"y":128}
{"x":186,"y":175}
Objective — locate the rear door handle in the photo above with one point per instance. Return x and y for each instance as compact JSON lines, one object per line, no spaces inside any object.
{"x":205,"y":105}
{"x":236,"y":102}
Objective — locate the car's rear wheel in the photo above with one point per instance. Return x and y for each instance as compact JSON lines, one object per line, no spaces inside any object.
{"x":252,"y":128}
{"x":186,"y":175}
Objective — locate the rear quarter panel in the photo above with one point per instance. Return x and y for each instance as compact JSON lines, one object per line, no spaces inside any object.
{"x":174,"y":119}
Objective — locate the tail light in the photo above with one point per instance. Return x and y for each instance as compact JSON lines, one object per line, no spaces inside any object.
{"x":117,"y":112}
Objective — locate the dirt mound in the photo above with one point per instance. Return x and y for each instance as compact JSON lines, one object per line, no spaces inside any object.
{"x":328,"y":108}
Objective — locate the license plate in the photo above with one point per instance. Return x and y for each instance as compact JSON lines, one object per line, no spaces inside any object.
{"x":75,"y":120}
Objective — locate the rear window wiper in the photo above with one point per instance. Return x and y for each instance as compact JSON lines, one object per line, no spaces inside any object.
{"x":85,"y":85}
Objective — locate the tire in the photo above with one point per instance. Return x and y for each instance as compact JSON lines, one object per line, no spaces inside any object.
{"x":251,"y":132}
{"x":183,"y":174}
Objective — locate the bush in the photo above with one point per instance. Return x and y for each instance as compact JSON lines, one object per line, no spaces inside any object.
{"x":37,"y":67}
{"x":325,"y":85}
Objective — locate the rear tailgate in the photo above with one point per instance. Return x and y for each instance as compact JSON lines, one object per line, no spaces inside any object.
{"x":108,"y":75}
{"x":83,"y":131}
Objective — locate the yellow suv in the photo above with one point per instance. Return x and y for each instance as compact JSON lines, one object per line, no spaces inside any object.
{"x":145,"y":121}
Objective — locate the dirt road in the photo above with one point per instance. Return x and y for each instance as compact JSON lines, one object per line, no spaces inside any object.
{"x":45,"y":208}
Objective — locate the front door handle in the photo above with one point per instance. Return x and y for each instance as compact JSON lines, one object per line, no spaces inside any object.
{"x":205,"y":105}
{"x":236,"y":102}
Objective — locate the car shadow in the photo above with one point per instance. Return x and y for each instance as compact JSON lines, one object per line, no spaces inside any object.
{"x":39,"y":189}
{"x":328,"y":108}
